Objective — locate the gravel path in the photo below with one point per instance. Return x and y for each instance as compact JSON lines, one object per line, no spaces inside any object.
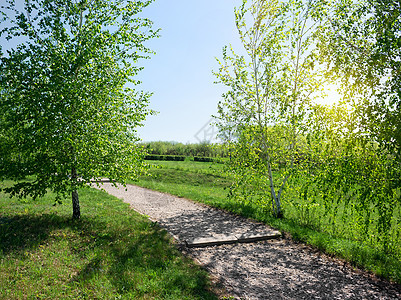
{"x":274,"y":269}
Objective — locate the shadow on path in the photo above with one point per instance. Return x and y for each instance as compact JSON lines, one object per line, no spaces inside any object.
{"x":279,"y":270}
{"x":209,"y":223}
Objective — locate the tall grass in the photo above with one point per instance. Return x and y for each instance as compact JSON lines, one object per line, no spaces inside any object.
{"x":343,"y":216}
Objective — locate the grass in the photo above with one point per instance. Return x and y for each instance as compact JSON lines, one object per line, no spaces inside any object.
{"x":205,"y":183}
{"x":111,"y":253}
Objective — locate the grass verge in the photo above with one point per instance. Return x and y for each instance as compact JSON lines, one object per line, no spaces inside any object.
{"x":111,"y":253}
{"x":204,"y":182}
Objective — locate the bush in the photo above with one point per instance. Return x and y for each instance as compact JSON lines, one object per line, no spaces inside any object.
{"x":165,"y":157}
{"x":203,"y":159}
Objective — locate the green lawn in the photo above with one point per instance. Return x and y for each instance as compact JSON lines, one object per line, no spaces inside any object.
{"x":111,"y":253}
{"x":207,"y":183}
{"x":199,"y":181}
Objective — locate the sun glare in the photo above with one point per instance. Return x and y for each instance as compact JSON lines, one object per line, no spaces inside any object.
{"x":330,"y":95}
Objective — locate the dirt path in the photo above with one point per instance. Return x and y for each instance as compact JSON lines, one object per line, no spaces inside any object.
{"x":274,"y":269}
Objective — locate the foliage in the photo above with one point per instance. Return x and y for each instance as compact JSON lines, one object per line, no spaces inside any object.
{"x":361,"y":150}
{"x":271,"y":87}
{"x":68,"y":110}
{"x":346,"y":186}
{"x":362,"y":48}
{"x":112,"y":253}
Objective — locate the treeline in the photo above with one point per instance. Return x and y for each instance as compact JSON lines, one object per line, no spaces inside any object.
{"x":169,"y":149}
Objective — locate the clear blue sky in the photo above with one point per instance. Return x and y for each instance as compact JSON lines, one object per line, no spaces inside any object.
{"x":180,"y":74}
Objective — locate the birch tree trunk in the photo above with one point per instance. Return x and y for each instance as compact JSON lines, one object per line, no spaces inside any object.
{"x":76,"y":210}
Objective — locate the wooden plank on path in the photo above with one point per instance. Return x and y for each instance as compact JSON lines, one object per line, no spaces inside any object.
{"x":256,"y":237}
{"x":211,"y":241}
{"x":231,"y":239}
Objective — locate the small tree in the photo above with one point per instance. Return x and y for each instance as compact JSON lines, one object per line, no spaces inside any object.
{"x":68,"y":108}
{"x":271,"y":87}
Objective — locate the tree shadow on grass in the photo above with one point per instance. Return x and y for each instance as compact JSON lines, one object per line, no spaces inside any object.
{"x":138,"y":262}
{"x":156,"y":262}
{"x":146,"y":266}
{"x":22,"y":232}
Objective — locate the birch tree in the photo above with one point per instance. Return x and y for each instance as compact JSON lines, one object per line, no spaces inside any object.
{"x":68,"y":103}
{"x":271,"y":84}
